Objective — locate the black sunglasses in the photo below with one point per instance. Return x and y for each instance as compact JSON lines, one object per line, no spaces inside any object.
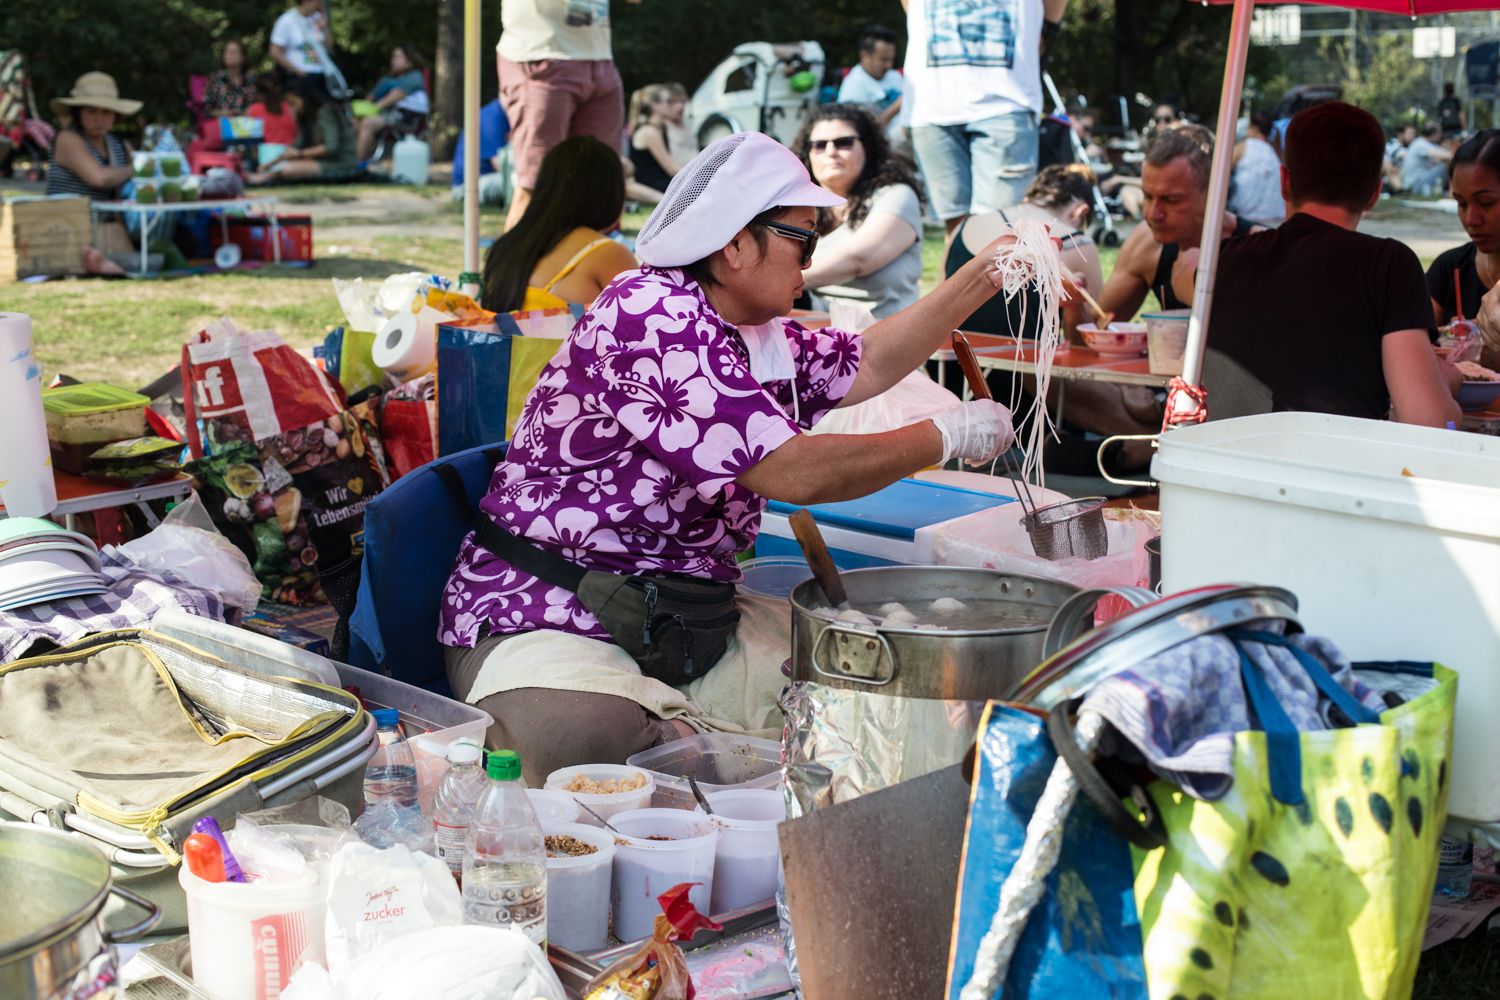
{"x":843,"y":144}
{"x":807,"y":236}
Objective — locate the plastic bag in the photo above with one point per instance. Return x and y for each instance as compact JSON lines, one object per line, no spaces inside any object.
{"x":187,"y":544}
{"x":446,"y":963}
{"x":657,"y":971}
{"x":282,"y":843}
{"x":916,"y":397}
{"x":386,"y":824}
{"x":376,"y":896}
{"x":995,"y":539}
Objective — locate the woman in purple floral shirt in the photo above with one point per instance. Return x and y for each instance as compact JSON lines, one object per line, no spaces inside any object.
{"x":651,"y":444}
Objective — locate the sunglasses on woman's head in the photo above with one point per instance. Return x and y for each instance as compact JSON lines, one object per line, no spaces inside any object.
{"x":843,"y":144}
{"x":808,"y":238}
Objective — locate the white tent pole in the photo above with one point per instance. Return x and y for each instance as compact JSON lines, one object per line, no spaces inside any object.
{"x":469,"y":279}
{"x":1218,"y":191}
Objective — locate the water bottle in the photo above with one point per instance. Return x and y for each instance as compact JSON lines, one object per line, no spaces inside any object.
{"x":453,"y":806}
{"x":392,"y":772}
{"x":505,"y":860}
{"x":1455,"y":868}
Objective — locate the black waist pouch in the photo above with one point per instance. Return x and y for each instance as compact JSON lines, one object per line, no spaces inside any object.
{"x":675,"y":627}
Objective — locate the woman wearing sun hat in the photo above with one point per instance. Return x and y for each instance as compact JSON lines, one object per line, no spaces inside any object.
{"x":90,"y":161}
{"x":594,"y":613}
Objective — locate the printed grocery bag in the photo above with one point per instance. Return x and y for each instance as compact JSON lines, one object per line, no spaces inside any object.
{"x":287,"y":470}
{"x":1083,"y":939}
{"x":487,"y":367}
{"x":1312,"y":876}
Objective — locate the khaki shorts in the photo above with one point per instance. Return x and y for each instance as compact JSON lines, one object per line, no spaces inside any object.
{"x":550,"y":100}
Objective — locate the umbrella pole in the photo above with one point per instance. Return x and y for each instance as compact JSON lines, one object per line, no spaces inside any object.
{"x":1190,"y":407}
{"x":468,"y":280}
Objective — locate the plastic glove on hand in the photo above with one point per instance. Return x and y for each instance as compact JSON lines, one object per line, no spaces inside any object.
{"x":976,"y":432}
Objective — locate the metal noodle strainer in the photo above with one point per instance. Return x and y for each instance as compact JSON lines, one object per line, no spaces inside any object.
{"x":1072,"y":529}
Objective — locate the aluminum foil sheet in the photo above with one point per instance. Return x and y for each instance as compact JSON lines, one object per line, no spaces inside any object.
{"x":840,"y":744}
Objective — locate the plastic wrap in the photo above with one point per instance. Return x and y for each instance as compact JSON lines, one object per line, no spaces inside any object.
{"x":994,"y":539}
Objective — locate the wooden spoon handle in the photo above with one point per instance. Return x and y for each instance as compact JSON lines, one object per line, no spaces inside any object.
{"x":969,"y":364}
{"x":815,"y":551}
{"x":1103,"y":318}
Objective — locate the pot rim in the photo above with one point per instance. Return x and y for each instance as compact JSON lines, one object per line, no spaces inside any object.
{"x":800,"y":605}
{"x":50,"y":934}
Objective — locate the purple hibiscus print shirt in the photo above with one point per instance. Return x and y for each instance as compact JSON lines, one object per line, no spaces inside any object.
{"x":625,"y":456}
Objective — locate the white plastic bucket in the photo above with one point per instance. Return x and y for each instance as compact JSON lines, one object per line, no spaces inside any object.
{"x":578,"y":889}
{"x":606,"y":804}
{"x":1166,"y":340}
{"x":554,"y":807}
{"x":1388,"y":534}
{"x":748,"y":852}
{"x":644,"y":868}
{"x":248,"y":939}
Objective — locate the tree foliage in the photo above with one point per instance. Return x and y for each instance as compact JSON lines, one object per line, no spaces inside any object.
{"x":1161,"y":47}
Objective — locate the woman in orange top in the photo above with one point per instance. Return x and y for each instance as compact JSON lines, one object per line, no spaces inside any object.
{"x":557,"y":254}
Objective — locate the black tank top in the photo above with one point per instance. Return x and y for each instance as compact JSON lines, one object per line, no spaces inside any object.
{"x":647,"y":170}
{"x":997,"y":315}
{"x":1161,"y":281}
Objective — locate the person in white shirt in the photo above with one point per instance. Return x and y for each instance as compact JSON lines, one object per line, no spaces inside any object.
{"x":975,"y":72}
{"x":298,"y":41}
{"x":875,"y":83}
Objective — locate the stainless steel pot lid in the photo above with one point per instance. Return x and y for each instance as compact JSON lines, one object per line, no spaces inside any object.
{"x":1133,"y":638}
{"x":51,"y":884}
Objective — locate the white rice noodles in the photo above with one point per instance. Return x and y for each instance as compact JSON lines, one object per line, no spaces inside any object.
{"x":1032,"y":261}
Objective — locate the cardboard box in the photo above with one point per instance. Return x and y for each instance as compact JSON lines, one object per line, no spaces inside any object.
{"x":43,"y":236}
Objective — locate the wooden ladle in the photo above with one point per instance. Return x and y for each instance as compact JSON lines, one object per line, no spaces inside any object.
{"x":815,"y":551}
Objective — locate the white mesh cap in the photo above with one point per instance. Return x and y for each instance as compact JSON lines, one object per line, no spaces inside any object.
{"x":719,"y":191}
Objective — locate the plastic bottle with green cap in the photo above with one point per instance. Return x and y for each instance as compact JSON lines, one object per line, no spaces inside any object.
{"x":505,"y":857}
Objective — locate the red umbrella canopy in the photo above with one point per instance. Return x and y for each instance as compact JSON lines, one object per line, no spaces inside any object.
{"x":1412,"y":7}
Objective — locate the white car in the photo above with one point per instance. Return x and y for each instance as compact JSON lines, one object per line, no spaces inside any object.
{"x":761,"y":87}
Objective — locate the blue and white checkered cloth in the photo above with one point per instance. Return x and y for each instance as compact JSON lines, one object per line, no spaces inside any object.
{"x":1181,"y":708}
{"x":135,"y":596}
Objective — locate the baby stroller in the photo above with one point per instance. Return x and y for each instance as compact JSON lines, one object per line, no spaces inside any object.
{"x":23,"y":134}
{"x":1060,"y":144}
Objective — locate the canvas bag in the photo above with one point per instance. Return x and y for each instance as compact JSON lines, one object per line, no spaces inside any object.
{"x":1323,"y":896}
{"x":483,"y":362}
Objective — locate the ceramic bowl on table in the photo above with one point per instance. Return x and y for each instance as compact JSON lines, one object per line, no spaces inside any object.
{"x":1123,"y":339}
{"x":1477,"y":395}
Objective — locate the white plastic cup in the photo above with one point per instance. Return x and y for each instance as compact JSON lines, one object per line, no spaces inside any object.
{"x":645,"y":868}
{"x":748,"y":851}
{"x":578,"y":889}
{"x":1166,"y":340}
{"x":248,"y":938}
{"x":554,"y":807}
{"x":605,"y":804}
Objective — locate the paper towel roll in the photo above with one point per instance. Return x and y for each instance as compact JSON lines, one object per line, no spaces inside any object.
{"x":406,"y":347}
{"x":26,"y":484}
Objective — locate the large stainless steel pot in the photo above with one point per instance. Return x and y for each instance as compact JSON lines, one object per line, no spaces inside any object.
{"x":971,"y":665}
{"x":52,"y":889}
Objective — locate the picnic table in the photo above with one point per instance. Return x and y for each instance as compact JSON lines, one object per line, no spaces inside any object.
{"x":152,"y":212}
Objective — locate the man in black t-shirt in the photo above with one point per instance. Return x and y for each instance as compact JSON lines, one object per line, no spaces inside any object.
{"x":1315,"y":316}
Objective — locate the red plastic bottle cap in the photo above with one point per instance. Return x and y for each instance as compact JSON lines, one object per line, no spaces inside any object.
{"x":203,"y":857}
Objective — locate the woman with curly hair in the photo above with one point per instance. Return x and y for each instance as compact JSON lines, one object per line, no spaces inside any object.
{"x":871,"y":250}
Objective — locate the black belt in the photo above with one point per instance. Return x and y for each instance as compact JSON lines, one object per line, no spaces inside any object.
{"x":527,"y":558}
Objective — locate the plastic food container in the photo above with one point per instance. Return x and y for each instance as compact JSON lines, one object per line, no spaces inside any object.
{"x":606,"y":804}
{"x":553,"y":806}
{"x":578,"y":889}
{"x":247,"y":939}
{"x":1388,"y":534}
{"x":83,"y":418}
{"x":718,"y":761}
{"x":748,"y":852}
{"x":773,"y":576}
{"x":1166,"y":339}
{"x":645,"y":867}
